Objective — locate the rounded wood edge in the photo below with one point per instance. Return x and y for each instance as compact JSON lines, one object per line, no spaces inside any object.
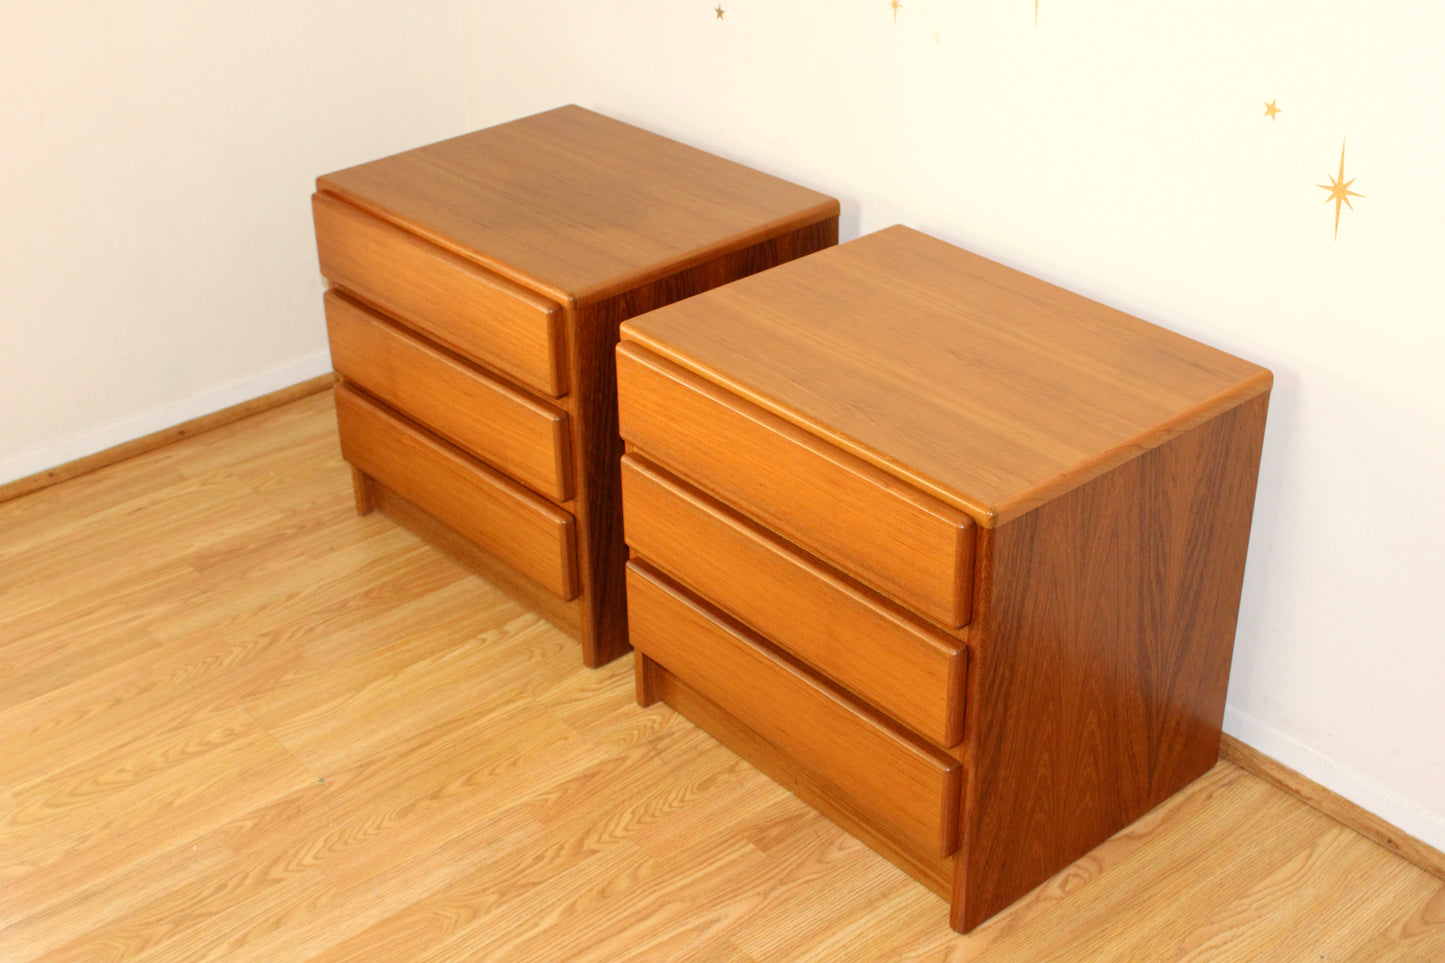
{"x":980,"y":513}
{"x":1235,"y":396}
{"x":159,"y":439}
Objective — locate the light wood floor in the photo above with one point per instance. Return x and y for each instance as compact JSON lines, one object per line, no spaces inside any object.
{"x":238,"y":722}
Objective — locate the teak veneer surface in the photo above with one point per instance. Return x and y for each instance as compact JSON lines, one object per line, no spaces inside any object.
{"x":995,"y":418}
{"x":578,"y":225}
{"x":242,"y":723}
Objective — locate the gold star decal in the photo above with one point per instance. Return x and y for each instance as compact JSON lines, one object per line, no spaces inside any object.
{"x":1339,"y":189}
{"x":719,"y":11}
{"x":1270,"y":110}
{"x":894,"y":5}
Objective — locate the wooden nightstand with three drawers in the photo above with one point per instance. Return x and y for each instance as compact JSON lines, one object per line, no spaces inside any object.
{"x":476,"y":289}
{"x":953,"y":554}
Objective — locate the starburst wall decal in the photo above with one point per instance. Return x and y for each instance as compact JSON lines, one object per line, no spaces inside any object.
{"x":1340,"y":192}
{"x":1339,"y":189}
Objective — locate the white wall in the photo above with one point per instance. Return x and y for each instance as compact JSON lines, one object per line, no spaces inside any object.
{"x":156,"y":161}
{"x":1121,"y":150}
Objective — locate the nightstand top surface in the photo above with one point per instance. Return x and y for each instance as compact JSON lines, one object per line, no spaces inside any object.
{"x":576,"y":204}
{"x":990,"y":388}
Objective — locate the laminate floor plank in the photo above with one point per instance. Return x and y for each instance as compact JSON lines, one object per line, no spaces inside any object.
{"x":1418,"y":937}
{"x":154,"y":527}
{"x":157,"y":691}
{"x":1257,"y":821}
{"x":696,"y":895}
{"x":353,"y":579}
{"x":94,"y":850}
{"x":241,"y":723}
{"x":511,"y":895}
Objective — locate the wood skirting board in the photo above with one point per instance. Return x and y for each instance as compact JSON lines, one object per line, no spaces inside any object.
{"x":1231,"y":749}
{"x":1334,"y":805}
{"x":159,"y":439}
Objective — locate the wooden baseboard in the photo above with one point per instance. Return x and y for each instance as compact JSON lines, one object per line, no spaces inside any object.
{"x":159,"y":439}
{"x":1334,"y":805}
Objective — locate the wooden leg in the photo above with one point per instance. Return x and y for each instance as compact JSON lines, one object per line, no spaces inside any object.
{"x":361,"y":487}
{"x":646,"y":671}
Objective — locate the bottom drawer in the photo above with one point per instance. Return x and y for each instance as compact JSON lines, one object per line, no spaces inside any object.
{"x":908,"y":791}
{"x":529,"y":534}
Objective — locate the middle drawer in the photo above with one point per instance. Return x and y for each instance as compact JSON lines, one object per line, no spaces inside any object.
{"x":910,"y":672}
{"x":522,"y":436}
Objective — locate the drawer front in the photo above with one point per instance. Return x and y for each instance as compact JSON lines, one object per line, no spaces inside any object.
{"x":867,"y":523}
{"x":909,"y":792}
{"x":912,"y":673}
{"x":525,"y":438}
{"x":529,"y":534}
{"x":483,"y":316}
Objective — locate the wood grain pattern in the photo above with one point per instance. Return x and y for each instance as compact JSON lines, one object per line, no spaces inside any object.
{"x":498,"y":800}
{"x":578,"y":206}
{"x":485,"y":317}
{"x":525,"y":438}
{"x":1101,"y":655}
{"x":911,"y":672}
{"x":1334,"y":805}
{"x":593,"y":327}
{"x":529,"y":534}
{"x":989,"y":389}
{"x":902,"y":786}
{"x":871,"y":526}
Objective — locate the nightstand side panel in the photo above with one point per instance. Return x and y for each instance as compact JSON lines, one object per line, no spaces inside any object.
{"x":597,"y":445}
{"x":1101,"y":650}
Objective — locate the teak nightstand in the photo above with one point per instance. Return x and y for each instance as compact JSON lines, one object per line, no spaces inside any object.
{"x":476,"y":289}
{"x":952,"y":553}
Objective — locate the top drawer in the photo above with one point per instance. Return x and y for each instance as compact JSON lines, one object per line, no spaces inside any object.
{"x":486,"y":317}
{"x":866,"y":522}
